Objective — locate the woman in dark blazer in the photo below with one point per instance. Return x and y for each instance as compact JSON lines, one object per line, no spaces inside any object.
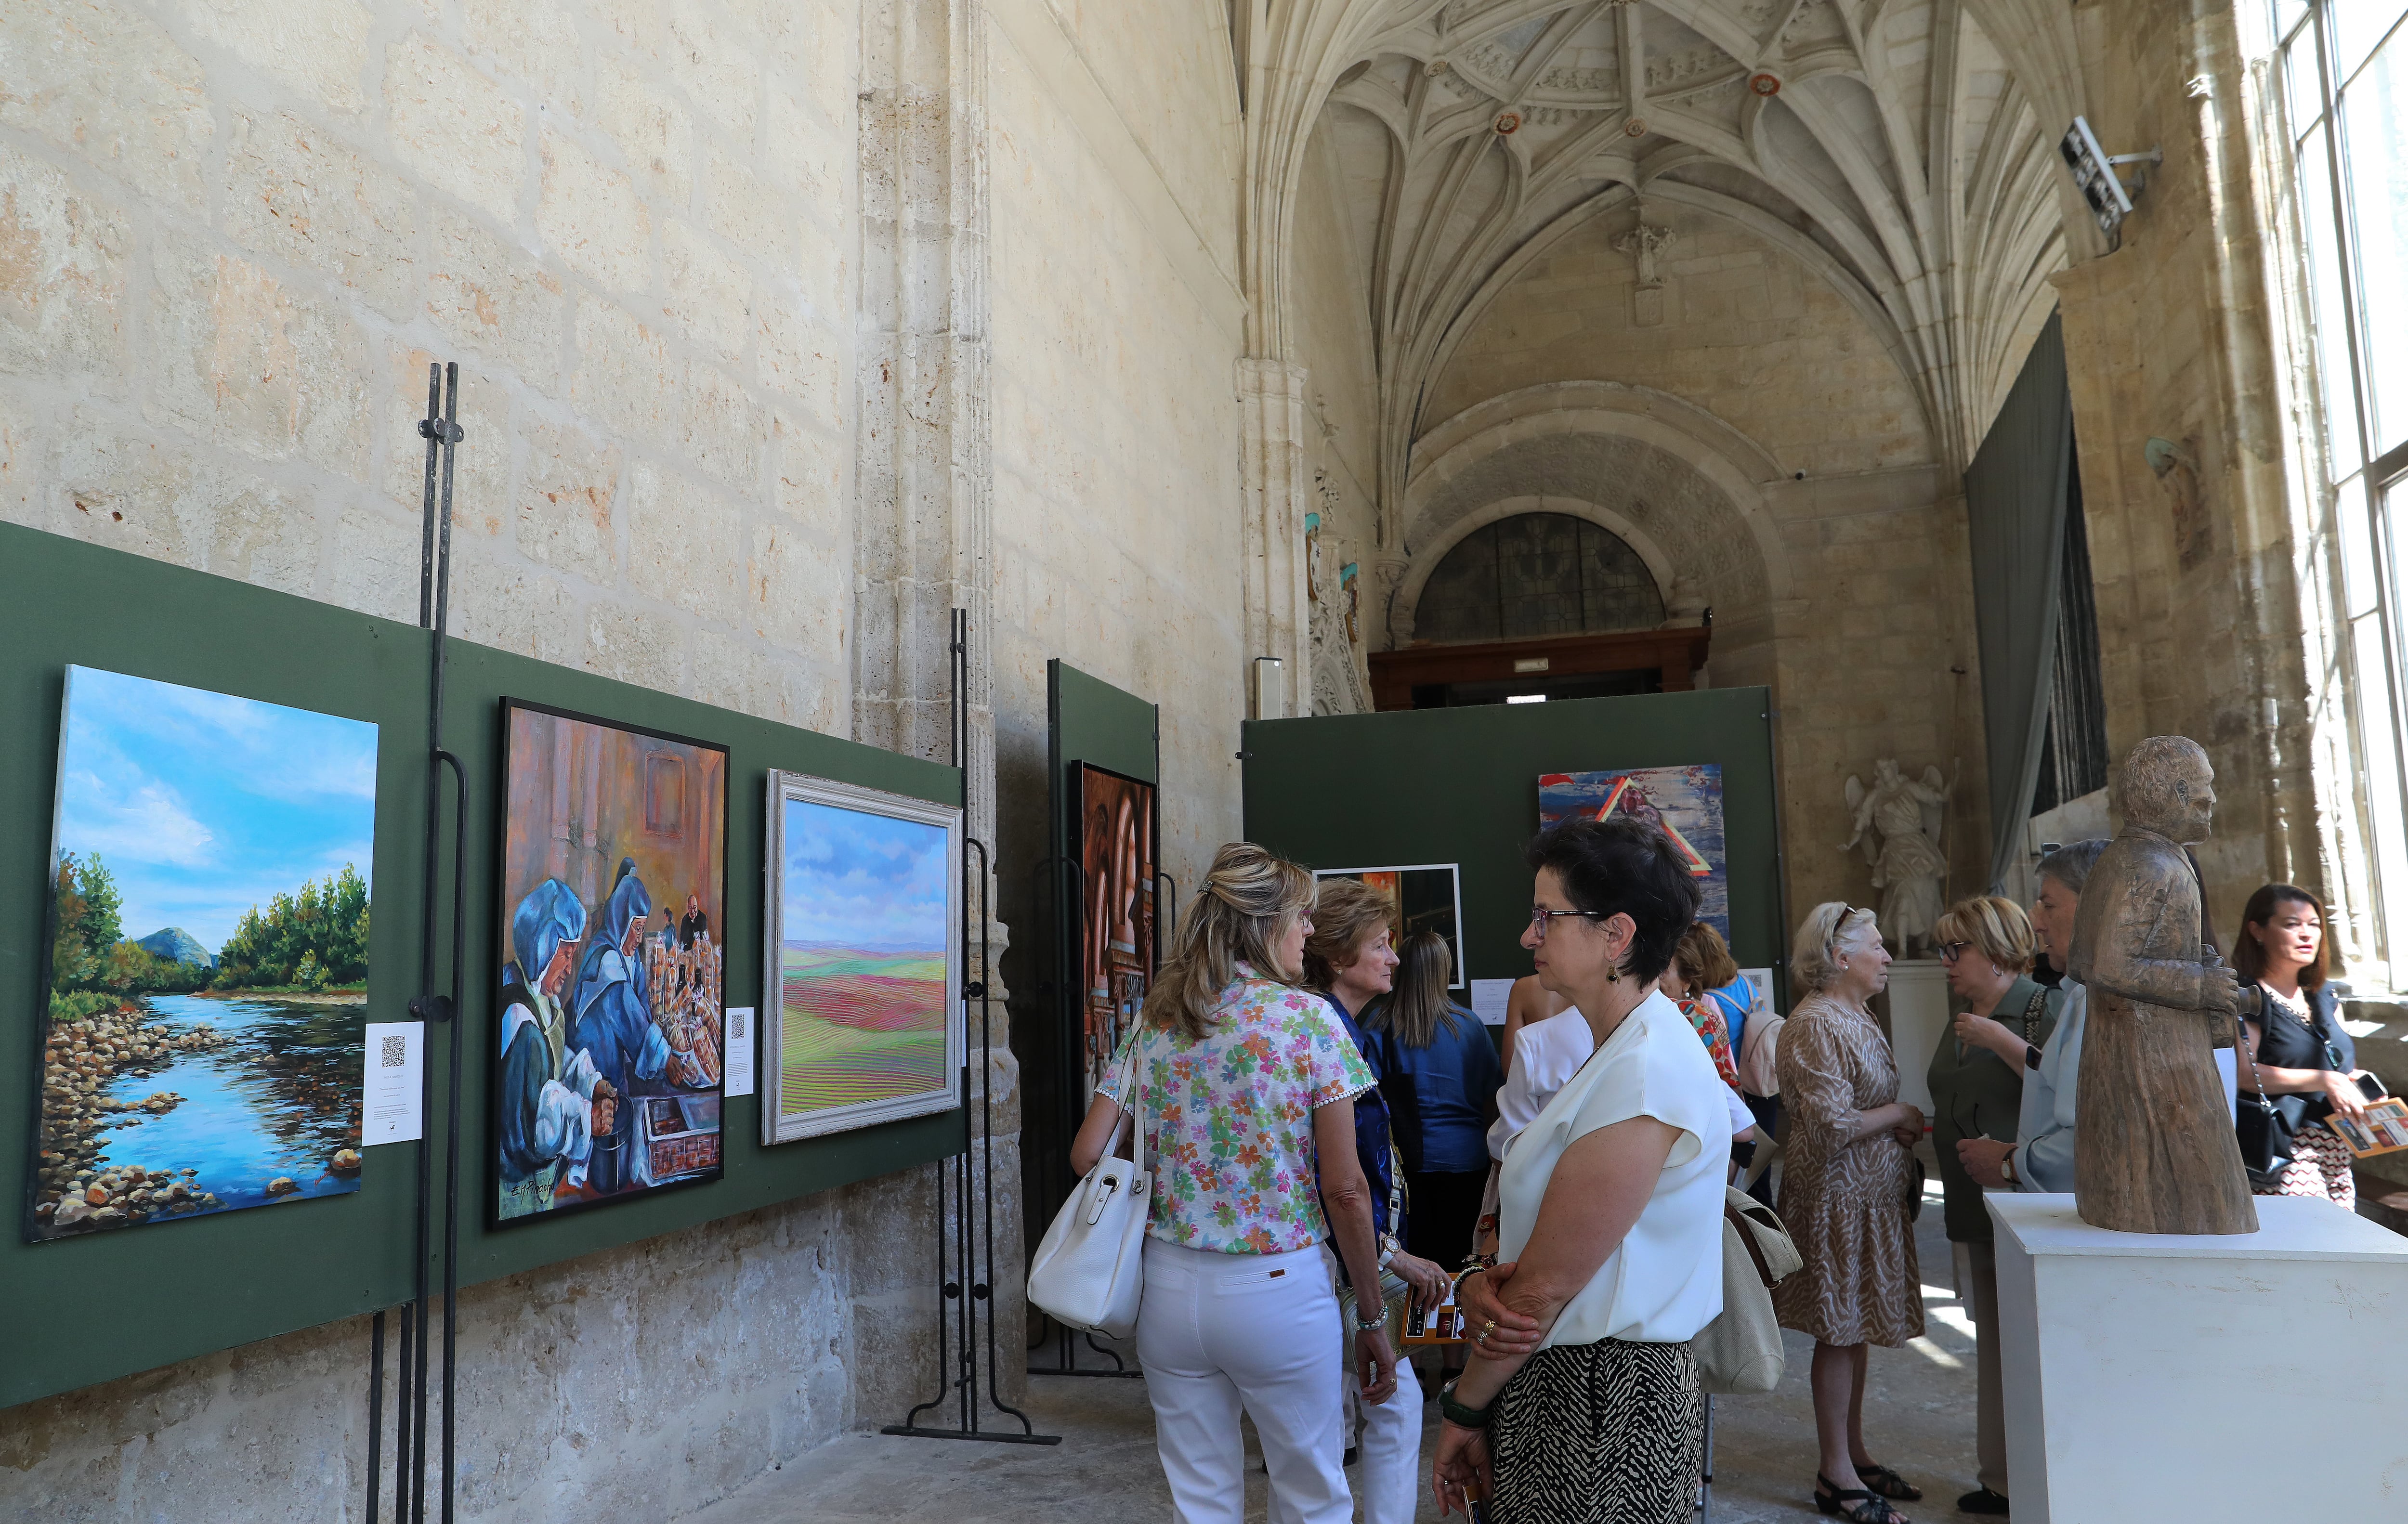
{"x":1977,"y":1091}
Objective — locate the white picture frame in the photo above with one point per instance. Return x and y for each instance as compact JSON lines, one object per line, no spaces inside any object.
{"x":1462,"y":980}
{"x":796,"y":1103}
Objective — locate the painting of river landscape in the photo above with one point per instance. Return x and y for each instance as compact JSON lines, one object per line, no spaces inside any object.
{"x":865,"y":1022}
{"x":208,"y":964}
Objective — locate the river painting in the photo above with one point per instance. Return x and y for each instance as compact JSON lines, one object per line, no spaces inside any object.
{"x":222,"y":1103}
{"x":207,"y":966}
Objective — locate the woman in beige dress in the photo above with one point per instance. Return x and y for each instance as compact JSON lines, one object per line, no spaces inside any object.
{"x":1846,"y":1173}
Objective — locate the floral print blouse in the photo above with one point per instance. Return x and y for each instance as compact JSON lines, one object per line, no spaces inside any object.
{"x":1229,"y":1120}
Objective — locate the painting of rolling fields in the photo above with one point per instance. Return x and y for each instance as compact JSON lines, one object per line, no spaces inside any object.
{"x":865,"y":1023}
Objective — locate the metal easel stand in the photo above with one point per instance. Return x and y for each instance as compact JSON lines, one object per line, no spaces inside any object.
{"x":965,"y":1190}
{"x":441,"y":431}
{"x":1706,"y":1476}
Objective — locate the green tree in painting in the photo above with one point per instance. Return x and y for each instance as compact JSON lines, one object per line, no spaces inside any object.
{"x":312,"y":939}
{"x":92,"y":966}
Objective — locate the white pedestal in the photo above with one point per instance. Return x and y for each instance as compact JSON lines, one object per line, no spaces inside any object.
{"x":2155,"y":1376}
{"x":1918,"y":1019}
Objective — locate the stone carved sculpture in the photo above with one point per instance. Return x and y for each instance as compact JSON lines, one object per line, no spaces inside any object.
{"x":2155,"y":1152}
{"x":1647,"y":244}
{"x":1909,"y":867}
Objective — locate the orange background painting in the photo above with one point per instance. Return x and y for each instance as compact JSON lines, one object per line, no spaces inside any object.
{"x":583,"y":796}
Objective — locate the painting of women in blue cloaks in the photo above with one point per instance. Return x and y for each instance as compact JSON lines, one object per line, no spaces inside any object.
{"x":1686,"y":801}
{"x":609,"y":1022}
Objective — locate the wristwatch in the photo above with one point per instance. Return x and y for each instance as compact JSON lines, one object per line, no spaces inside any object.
{"x":2007,"y":1168}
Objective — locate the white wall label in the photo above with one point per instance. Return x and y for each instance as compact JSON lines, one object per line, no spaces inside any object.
{"x":735,"y":1068}
{"x":1489,"y":998}
{"x":397,"y":1063}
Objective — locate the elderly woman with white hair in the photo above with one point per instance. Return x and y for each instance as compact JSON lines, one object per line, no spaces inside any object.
{"x":1847,"y":1177}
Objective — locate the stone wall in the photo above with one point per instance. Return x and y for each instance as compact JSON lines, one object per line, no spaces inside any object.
{"x":1863,"y":624}
{"x":2203,"y":635}
{"x":233,"y":233}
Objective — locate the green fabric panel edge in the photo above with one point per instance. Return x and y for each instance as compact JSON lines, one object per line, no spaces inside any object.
{"x":1461,"y":785}
{"x":231,"y":1279}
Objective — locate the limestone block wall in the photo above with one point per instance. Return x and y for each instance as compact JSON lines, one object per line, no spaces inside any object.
{"x":1739,"y":328}
{"x":1116,"y":332}
{"x":1864,"y":654}
{"x":232,"y":234}
{"x":1331,"y":325}
{"x":2170,"y":337}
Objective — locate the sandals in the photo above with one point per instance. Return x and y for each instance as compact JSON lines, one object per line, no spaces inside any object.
{"x":1888,"y":1483}
{"x":1853,"y":1504}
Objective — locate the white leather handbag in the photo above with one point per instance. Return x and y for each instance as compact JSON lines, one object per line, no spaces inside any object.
{"x":1741,"y":1351}
{"x":1089,"y":1270}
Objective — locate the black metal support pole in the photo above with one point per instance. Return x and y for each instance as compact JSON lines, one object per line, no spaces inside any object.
{"x":376,"y":1409}
{"x":969,"y":1208}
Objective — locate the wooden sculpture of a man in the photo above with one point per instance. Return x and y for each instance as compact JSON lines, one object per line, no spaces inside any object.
{"x":2153,"y":1149}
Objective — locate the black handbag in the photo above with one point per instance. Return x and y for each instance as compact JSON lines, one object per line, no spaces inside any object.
{"x":2261,"y":1126}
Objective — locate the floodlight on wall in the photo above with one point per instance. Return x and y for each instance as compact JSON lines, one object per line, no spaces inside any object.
{"x":2095,"y":176}
{"x":1270,"y":688}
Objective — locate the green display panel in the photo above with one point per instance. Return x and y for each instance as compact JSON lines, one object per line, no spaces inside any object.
{"x":94,"y":1307}
{"x":1461,"y":785}
{"x":1090,"y":721}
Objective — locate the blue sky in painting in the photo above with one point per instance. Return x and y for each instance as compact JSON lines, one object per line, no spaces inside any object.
{"x":863,"y":880}
{"x":203,"y":805}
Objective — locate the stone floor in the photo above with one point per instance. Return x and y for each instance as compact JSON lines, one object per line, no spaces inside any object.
{"x":1919,"y":1406}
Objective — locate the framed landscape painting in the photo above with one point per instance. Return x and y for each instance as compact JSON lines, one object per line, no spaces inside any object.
{"x":1427,"y":898}
{"x":609,"y":1019}
{"x":1686,"y":801}
{"x":206,"y":978}
{"x":864,"y":1019}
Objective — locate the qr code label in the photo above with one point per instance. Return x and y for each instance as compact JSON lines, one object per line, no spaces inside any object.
{"x":396,"y":1053}
{"x":736,"y":1023}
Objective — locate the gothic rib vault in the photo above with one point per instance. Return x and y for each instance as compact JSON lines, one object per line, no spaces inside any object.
{"x":1901,"y":152}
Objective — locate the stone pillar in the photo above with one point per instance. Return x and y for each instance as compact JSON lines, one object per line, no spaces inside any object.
{"x":1276,"y":477}
{"x":2200,"y":625}
{"x":923,"y":532}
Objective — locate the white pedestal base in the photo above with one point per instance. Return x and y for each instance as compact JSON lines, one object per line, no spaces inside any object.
{"x":1918,"y":1019}
{"x":2153,"y":1377}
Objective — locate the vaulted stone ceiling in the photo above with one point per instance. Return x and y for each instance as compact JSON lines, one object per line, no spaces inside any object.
{"x":1891,"y":146}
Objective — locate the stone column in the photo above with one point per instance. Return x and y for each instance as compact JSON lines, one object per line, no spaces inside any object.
{"x":1276,"y":477}
{"x":924,"y":534}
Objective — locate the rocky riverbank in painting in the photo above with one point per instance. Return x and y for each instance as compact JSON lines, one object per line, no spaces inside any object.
{"x":180,"y":1105}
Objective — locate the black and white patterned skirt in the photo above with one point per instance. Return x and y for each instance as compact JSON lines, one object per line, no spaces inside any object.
{"x":1599,"y":1433}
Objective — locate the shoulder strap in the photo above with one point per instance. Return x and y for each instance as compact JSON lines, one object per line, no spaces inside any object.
{"x":1747,"y":1240}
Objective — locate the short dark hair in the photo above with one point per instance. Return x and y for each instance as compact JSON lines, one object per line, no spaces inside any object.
{"x":1620,"y":867}
{"x":2249,"y":952}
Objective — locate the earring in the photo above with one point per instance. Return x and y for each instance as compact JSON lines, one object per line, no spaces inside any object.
{"x":1612,"y":973}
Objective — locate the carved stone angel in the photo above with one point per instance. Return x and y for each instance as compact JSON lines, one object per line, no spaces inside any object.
{"x":1909,"y":865}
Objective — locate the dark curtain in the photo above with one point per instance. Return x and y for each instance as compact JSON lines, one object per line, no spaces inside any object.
{"x":2014,"y":508}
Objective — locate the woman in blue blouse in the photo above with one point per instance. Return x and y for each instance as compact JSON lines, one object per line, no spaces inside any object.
{"x":1440,"y":1075}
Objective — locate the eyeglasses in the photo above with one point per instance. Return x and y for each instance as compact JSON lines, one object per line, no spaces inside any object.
{"x":1538,"y":919}
{"x":1951,"y":951}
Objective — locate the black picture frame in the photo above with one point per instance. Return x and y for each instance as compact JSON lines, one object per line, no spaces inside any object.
{"x":505,"y":907}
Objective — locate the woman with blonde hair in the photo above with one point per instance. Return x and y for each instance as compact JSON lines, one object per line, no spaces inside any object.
{"x":1246,"y":1085}
{"x":1987,"y":946}
{"x":1847,"y":1177}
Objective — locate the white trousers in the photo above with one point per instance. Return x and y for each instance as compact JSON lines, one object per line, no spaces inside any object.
{"x":1388,"y":1458}
{"x":1221,"y":1332}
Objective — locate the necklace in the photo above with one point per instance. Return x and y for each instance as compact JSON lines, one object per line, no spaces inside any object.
{"x":2295,"y":1012}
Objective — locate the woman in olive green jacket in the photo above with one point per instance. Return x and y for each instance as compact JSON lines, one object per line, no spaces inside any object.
{"x":1977,"y":1089}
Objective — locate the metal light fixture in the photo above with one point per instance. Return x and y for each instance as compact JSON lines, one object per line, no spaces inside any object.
{"x":2095,"y":176}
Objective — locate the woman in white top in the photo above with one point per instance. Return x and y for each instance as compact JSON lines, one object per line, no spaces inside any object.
{"x":1584,"y":1406}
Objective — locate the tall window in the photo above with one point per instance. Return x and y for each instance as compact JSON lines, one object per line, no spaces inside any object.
{"x":2343,"y":72}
